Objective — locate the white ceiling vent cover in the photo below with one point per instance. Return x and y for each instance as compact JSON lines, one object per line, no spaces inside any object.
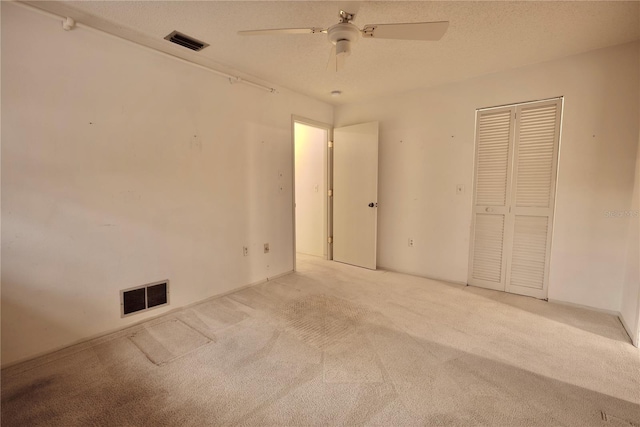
{"x":186,"y":41}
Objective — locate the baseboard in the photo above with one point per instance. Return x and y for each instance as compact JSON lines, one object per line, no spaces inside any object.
{"x":617,"y":314}
{"x":102,"y":337}
{"x":439,"y":279}
{"x":572,"y":304}
{"x":633,"y":336}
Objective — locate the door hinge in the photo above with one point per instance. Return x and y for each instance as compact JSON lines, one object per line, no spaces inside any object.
{"x":330,"y":144}
{"x":330,"y":240}
{"x":330,"y":193}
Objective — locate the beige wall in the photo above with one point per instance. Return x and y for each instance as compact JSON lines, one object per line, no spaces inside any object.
{"x":426,"y":149}
{"x":311,"y":147}
{"x":122,"y":167}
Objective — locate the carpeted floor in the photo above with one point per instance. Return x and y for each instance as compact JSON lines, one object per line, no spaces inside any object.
{"x":338,"y":345}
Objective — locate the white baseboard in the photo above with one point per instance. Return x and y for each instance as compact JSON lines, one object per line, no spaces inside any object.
{"x":627,"y":329}
{"x":634,"y":336}
{"x":439,"y":279}
{"x":572,"y":304}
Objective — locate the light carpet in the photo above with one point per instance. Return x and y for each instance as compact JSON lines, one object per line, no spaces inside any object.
{"x":337,"y":345}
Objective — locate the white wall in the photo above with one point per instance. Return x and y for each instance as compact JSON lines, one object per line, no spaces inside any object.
{"x":426,"y":148}
{"x":310,"y":188}
{"x":121,"y":167}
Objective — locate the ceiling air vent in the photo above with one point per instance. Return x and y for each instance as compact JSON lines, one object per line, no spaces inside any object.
{"x":186,"y":41}
{"x":145,"y":297}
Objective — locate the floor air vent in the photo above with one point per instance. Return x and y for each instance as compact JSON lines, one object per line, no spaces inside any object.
{"x":186,"y":41}
{"x":143,"y":298}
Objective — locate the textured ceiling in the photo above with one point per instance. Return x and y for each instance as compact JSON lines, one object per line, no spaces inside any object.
{"x":483,"y":37}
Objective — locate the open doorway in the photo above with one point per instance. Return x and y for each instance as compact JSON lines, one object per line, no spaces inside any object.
{"x":311,"y":197}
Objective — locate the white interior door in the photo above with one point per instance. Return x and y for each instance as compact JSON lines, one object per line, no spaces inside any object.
{"x":514,"y":194}
{"x":355,"y":194}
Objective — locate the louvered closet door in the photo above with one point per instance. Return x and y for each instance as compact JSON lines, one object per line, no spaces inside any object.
{"x":494,"y":134}
{"x":535,"y":155}
{"x":514,"y":191}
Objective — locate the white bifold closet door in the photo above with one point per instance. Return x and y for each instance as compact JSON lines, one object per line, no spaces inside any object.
{"x":514,"y":193}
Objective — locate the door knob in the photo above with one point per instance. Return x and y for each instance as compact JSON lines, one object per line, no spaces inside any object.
{"x":373,"y":205}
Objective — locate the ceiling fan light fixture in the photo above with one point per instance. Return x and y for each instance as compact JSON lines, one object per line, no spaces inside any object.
{"x":343,"y":47}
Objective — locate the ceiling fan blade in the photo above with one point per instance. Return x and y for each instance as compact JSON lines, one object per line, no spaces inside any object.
{"x":413,"y":31}
{"x":277,"y":31}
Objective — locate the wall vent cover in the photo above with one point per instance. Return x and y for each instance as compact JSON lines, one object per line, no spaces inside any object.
{"x":142,"y":298}
{"x":186,"y":41}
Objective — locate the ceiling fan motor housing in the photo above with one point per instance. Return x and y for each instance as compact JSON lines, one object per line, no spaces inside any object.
{"x":344,"y":31}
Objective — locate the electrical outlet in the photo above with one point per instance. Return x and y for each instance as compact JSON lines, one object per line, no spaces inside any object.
{"x":410,"y":242}
{"x":245,"y":251}
{"x":266,"y":248}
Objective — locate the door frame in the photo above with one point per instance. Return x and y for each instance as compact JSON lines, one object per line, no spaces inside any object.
{"x":328,"y":166}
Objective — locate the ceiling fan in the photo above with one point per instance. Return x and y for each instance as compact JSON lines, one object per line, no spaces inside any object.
{"x":344,"y":33}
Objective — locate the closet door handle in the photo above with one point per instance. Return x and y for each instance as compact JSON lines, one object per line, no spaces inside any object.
{"x":488,"y":210}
